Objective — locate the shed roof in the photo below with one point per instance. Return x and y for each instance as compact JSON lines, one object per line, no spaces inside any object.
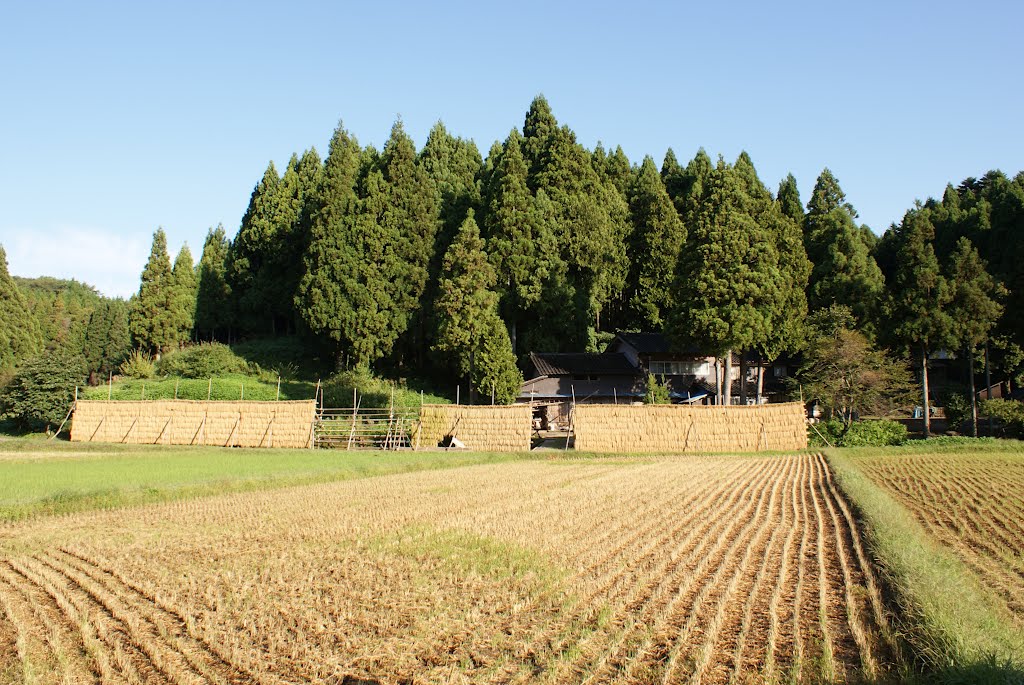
{"x":573,"y":364}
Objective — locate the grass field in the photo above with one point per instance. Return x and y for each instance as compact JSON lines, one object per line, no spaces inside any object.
{"x":700,"y":569}
{"x":947,"y":525}
{"x":52,"y":477}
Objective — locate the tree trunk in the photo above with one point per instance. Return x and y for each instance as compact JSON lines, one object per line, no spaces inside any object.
{"x":988,"y":389}
{"x":760,"y":379}
{"x":974,"y":394}
{"x":743,"y":378}
{"x":718,"y":382}
{"x":512,"y":333}
{"x":727,"y":381}
{"x":924,"y":385}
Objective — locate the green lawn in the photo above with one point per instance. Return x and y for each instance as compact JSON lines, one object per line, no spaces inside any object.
{"x":40,"y":477}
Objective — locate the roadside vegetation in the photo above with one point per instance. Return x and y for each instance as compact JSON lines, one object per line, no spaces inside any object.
{"x":948,"y":550}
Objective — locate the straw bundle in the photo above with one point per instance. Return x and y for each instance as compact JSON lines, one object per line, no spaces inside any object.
{"x":681,"y":428}
{"x":188,"y":422}
{"x":501,"y":428}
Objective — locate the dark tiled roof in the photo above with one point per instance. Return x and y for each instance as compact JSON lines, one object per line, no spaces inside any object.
{"x":655,"y":343}
{"x":646,"y":343}
{"x":569,"y":364}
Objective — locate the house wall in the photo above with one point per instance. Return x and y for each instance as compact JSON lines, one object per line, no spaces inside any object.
{"x":502,"y":428}
{"x":682,"y":428}
{"x":187,"y":422}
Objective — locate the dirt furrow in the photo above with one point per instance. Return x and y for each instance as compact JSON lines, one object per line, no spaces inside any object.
{"x":12,"y":642}
{"x":658,"y":566}
{"x":759,"y":630}
{"x":191,"y":659}
{"x":879,"y":623}
{"x":857,"y":624}
{"x":54,"y":642}
{"x":808,"y":642}
{"x":127,"y":654}
{"x":680,"y":567}
{"x":678,"y":617}
{"x":716,"y":639}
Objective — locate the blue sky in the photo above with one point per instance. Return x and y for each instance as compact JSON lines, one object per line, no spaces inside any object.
{"x":118,"y":118}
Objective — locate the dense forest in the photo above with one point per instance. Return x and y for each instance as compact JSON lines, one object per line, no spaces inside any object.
{"x":442,"y":262}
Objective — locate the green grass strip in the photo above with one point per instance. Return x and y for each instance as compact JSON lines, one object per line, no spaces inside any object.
{"x":953,"y":625}
{"x":39,"y":478}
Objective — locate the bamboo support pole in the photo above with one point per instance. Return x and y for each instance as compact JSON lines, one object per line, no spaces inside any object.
{"x":70,"y":411}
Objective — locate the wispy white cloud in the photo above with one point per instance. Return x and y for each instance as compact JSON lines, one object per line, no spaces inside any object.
{"x":97,"y":256}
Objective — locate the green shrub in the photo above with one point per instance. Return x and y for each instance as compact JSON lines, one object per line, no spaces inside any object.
{"x":875,"y":434}
{"x":825,"y":433}
{"x":657,"y":393}
{"x":138,"y":365}
{"x":286,"y":356}
{"x":957,"y":405}
{"x":204,"y":360}
{"x":41,"y":393}
{"x":858,"y":434}
{"x":372,"y":391}
{"x":1009,"y":414}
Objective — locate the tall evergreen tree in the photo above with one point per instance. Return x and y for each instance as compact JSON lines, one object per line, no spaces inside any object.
{"x":19,"y":332}
{"x":657,"y":238}
{"x":153,"y":321}
{"x":539,"y":128}
{"x":593,"y":226}
{"x":184,"y":284}
{"x":252,"y":250}
{"x":728,"y":274}
{"x":672,"y":175}
{"x":844,"y":270}
{"x":974,"y":308}
{"x":411,"y":213}
{"x":619,"y":171}
{"x":119,"y":339}
{"x":919,"y":296}
{"x":520,"y":237}
{"x":330,"y":287}
{"x":789,"y":200}
{"x":468,"y":325}
{"x":96,"y":337}
{"x":214,"y":316}
{"x":453,"y":166}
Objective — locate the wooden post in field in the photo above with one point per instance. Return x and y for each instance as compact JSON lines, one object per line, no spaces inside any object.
{"x":572,"y":411}
{"x":143,"y":391}
{"x":110,"y":386}
{"x":209,"y":389}
{"x":242,"y":398}
{"x":176,"y":381}
{"x":458,"y":390}
{"x":278,"y":398}
{"x":355,"y":412}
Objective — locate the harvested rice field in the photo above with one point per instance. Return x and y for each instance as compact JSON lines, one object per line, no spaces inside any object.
{"x":683,"y":570}
{"x":973,"y":504}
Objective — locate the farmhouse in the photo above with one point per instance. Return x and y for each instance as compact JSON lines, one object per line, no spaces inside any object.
{"x":619,"y":376}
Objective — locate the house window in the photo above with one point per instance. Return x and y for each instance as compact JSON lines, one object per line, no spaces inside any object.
{"x":695,"y":368}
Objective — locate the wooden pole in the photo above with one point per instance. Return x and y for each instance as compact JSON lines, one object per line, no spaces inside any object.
{"x":458,"y":398}
{"x":143,"y":391}
{"x":988,"y":390}
{"x":176,"y":381}
{"x":572,"y":410}
{"x":72,"y":409}
{"x":209,"y":389}
{"x":243,"y":391}
{"x":278,"y":398}
{"x":110,"y":386}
